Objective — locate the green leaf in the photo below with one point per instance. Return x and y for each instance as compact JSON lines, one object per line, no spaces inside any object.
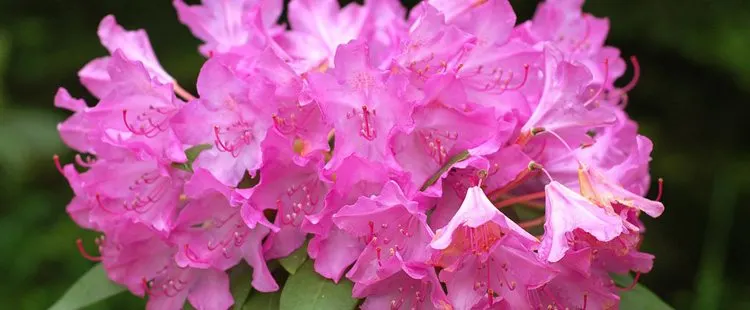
{"x":191,"y":154}
{"x":263,"y":301}
{"x":92,"y":287}
{"x":240,"y":281}
{"x":292,"y":262}
{"x":307,"y":290}
{"x":639,"y":297}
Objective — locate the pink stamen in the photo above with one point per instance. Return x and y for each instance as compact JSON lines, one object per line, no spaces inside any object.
{"x":661,"y":189}
{"x":601,"y":87}
{"x":59,"y":167}
{"x":101,"y":205}
{"x":191,"y":255}
{"x":635,"y":282}
{"x":636,"y":75}
{"x":86,"y":255}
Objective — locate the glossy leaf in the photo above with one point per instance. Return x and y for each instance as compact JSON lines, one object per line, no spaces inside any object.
{"x":639,"y":297}
{"x":307,"y":290}
{"x":240,"y":281}
{"x":292,"y":262}
{"x":263,"y":301}
{"x":92,"y":287}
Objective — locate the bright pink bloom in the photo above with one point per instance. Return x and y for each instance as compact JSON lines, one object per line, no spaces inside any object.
{"x":566,"y":212}
{"x":362,"y":106}
{"x":135,"y":46}
{"x":474,"y":230}
{"x":135,"y":115}
{"x":136,"y":257}
{"x":330,"y":25}
{"x":295,"y":190}
{"x":233,"y":115}
{"x":410,"y":286}
{"x":503,"y":278}
{"x":389,"y":224}
{"x":567,"y":101}
{"x":210,"y":232}
{"x":224,"y":25}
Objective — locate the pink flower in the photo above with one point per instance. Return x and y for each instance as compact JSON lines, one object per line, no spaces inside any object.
{"x":567,"y":212}
{"x":442,"y":131}
{"x":135,"y":46}
{"x":389,"y":224}
{"x":432,"y":44}
{"x":332,"y":248}
{"x":330,"y":25}
{"x":139,"y":259}
{"x":360,"y":103}
{"x":504,"y":277}
{"x":211,"y":233}
{"x":140,"y":191}
{"x":567,"y":101}
{"x":135,"y":115}
{"x":410,"y":286}
{"x":474,"y":230}
{"x":224,"y":25}
{"x":295,"y":190}
{"x":230,"y":116}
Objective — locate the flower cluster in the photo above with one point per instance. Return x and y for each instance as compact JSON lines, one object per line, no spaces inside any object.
{"x":452,"y":159}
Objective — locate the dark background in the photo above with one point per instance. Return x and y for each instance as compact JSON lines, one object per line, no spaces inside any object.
{"x":692,"y":100}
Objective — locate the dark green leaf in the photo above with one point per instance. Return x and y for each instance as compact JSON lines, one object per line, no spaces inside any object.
{"x":92,"y":287}
{"x":263,"y":301}
{"x":292,"y":262}
{"x":639,"y":297}
{"x":307,"y":290}
{"x":240,"y":281}
{"x":191,"y":154}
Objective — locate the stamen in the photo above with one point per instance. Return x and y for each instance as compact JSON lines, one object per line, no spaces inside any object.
{"x":191,"y":255}
{"x":86,"y":255}
{"x":59,"y":167}
{"x":636,"y":75}
{"x":601,"y":87}
{"x":523,"y":82}
{"x":661,"y":189}
{"x":101,"y":205}
{"x":632,"y":285}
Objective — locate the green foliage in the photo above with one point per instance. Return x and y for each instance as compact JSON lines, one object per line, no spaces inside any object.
{"x":240,"y":279}
{"x":307,"y":290}
{"x":638,"y":298}
{"x":263,"y":301}
{"x":92,"y":287}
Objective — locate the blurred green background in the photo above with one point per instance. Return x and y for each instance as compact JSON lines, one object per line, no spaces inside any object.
{"x":692,"y":100}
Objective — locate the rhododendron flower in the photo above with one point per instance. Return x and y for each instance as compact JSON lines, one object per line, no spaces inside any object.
{"x":398,"y":152}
